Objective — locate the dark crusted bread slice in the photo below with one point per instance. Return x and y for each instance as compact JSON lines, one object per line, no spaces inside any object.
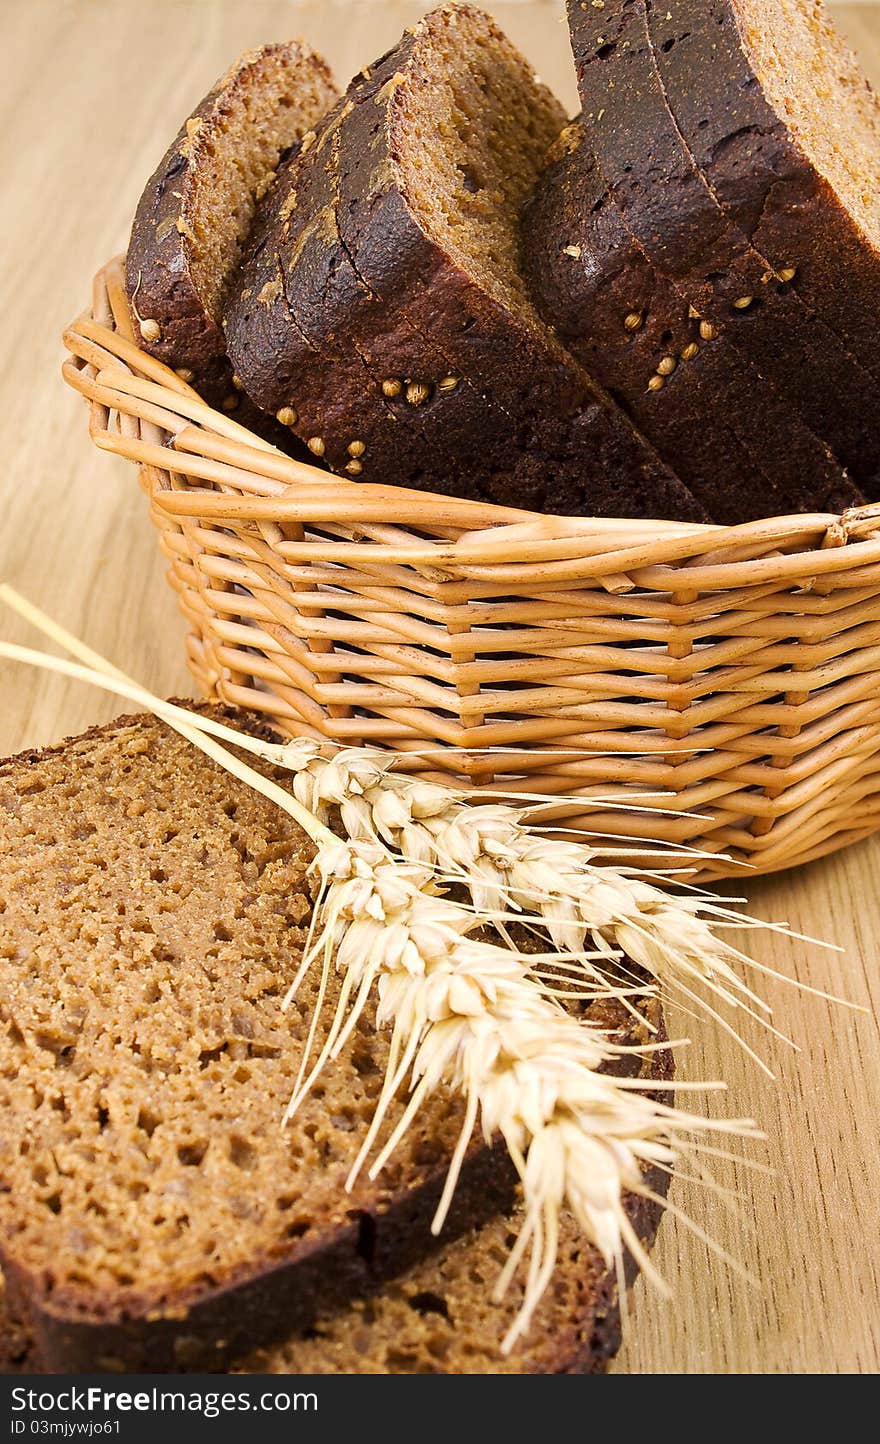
{"x":337,"y":362}
{"x":283,"y":340}
{"x":438,"y":1317}
{"x":197,"y":209}
{"x":789,"y":141}
{"x":687,"y":236}
{"x":742,"y":449}
{"x":447,"y":138}
{"x":439,"y":143}
{"x":367,"y":354}
{"x":153,"y":1213}
{"x":456,"y":427}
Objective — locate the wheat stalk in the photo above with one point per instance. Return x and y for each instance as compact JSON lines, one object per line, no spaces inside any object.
{"x":467,"y":1012}
{"x":482,"y":1015}
{"x":491,"y":851}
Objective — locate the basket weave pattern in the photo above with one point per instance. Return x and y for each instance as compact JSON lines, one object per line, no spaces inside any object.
{"x":726,"y":678}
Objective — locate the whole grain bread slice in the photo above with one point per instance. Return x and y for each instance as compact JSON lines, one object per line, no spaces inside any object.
{"x":196,"y":211}
{"x":464,"y":435}
{"x":339,"y":363}
{"x":739,"y":446}
{"x":438,"y":1316}
{"x":788,"y":140}
{"x":299,"y":346}
{"x":685,"y":233}
{"x":408,"y":370}
{"x":153,"y":1213}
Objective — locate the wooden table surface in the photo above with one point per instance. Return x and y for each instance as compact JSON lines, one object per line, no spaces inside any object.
{"x":94,"y":90}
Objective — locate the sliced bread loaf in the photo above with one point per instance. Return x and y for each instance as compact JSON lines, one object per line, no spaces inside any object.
{"x":739,"y":446}
{"x":438,"y":145}
{"x":685,"y":233}
{"x":153,"y":1213}
{"x":329,"y":356}
{"x":196,"y":211}
{"x":789,"y":142}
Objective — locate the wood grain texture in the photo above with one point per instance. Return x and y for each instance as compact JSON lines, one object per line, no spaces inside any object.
{"x":94,"y":90}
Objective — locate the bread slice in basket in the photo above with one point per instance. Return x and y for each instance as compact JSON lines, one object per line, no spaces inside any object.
{"x":340,"y":363}
{"x":739,"y":290}
{"x":788,"y":140}
{"x":298,"y":345}
{"x":438,"y":145}
{"x":196,"y":211}
{"x":154,"y":1215}
{"x":742,"y":448}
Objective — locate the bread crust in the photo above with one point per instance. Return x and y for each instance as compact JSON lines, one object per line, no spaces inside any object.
{"x":739,"y":447}
{"x":759,"y":173}
{"x":162,"y":289}
{"x":672,"y":213}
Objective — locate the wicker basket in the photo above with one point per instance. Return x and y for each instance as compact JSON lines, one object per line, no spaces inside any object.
{"x":726,"y":678}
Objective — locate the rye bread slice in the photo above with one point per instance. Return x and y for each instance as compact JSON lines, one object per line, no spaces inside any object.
{"x":736,"y":443}
{"x":448,"y":135}
{"x":153,"y":1214}
{"x":196,"y":211}
{"x":685,"y":233}
{"x":455,"y":425}
{"x":789,"y":141}
{"x":438,"y":1316}
{"x":344,"y":366}
{"x":297,"y":344}
{"x":453,"y":414}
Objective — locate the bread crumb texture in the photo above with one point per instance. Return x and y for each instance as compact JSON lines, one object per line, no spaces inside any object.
{"x":152,"y":915}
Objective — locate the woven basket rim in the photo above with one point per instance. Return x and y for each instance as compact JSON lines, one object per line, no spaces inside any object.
{"x":731,"y":670}
{"x":470,"y":540}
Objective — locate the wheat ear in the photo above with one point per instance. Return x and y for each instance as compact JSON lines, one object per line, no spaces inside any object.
{"x":503,"y":864}
{"x":509,"y":871}
{"x":462,"y":1010}
{"x":466,"y":1012}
